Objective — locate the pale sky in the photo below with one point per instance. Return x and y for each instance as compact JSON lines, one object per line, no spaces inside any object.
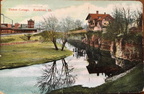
{"x":22,"y":10}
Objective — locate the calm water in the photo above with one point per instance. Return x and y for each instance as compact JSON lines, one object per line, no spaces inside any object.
{"x":23,"y":80}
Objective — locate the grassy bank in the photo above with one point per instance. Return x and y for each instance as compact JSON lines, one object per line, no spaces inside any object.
{"x":16,"y":38}
{"x":132,"y":82}
{"x":28,"y":54}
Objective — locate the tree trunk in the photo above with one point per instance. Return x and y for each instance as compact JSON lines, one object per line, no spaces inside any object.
{"x":54,"y":42}
{"x":28,"y":37}
{"x":63,"y":45}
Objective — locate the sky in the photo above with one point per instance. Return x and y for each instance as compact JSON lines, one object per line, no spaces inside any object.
{"x":22,"y":10}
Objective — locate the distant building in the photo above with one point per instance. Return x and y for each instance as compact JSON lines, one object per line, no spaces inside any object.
{"x":30,"y":23}
{"x":6,"y":28}
{"x":24,"y":26}
{"x":98,"y":22}
{"x":18,"y":28}
{"x":17,"y":25}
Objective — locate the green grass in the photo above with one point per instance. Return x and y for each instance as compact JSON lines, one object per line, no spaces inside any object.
{"x":28,"y":54}
{"x":16,"y":38}
{"x":132,"y":82}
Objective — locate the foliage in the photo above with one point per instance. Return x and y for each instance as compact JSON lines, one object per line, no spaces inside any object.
{"x":108,"y":36}
{"x":132,"y":38}
{"x":48,"y":35}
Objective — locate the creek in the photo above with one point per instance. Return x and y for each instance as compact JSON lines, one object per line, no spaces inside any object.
{"x":23,"y":80}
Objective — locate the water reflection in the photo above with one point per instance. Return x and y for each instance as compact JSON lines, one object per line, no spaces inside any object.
{"x":79,"y":52}
{"x":54,"y":78}
{"x":101,"y":63}
{"x":98,"y":62}
{"x":97,"y":67}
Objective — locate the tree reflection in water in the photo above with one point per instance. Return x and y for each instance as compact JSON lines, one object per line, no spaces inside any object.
{"x":54,"y":78}
{"x":67,"y":78}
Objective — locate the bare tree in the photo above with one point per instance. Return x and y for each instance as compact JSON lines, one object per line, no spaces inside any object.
{"x":49,"y":80}
{"x":51,"y":28}
{"x":78,"y":24}
{"x":67,"y":24}
{"x":52,"y":78}
{"x":52,"y":25}
{"x":67,"y":78}
{"x":122,"y":20}
{"x":138,"y":18}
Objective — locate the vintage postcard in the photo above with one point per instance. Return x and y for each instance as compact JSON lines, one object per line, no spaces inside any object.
{"x":71,"y":47}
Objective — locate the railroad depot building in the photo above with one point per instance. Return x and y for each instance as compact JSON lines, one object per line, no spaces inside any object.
{"x":18,"y":28}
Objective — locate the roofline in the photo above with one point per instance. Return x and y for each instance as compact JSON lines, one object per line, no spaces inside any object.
{"x":98,"y":14}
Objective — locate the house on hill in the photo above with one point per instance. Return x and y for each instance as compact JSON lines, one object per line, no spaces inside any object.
{"x":98,"y":22}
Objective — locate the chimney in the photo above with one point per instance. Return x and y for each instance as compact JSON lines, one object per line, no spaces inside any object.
{"x":97,"y":12}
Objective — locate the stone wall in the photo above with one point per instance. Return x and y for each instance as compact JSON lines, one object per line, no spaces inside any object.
{"x":119,"y":48}
{"x":128,"y":51}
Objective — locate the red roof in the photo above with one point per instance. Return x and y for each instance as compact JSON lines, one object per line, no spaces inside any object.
{"x":98,"y":16}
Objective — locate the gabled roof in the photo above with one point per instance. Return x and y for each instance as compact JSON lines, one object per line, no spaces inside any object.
{"x":98,"y":16}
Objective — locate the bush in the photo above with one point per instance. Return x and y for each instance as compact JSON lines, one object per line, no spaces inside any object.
{"x":108,"y":36}
{"x":133,"y":38}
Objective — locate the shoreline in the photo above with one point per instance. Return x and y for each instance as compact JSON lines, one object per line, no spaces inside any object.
{"x":22,"y":54}
{"x":135,"y":76}
{"x":34,"y":64}
{"x":115,"y":77}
